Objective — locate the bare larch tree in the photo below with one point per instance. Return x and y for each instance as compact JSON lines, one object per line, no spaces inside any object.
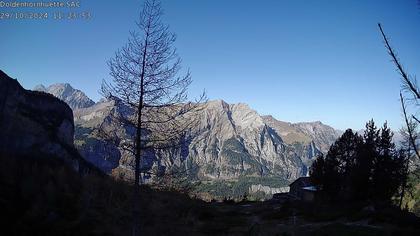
{"x":145,"y":79}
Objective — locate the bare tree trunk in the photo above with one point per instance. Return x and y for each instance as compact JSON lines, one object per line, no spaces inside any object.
{"x":136,"y":196}
{"x":136,"y":213}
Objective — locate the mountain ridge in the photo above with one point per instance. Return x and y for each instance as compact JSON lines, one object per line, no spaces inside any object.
{"x":230,"y":142}
{"x":73,"y":97}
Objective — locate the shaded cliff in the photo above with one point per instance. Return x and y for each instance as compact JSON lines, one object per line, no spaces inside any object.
{"x":38,"y":123}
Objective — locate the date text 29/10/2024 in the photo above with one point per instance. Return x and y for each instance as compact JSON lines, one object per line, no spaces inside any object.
{"x":85,"y":15}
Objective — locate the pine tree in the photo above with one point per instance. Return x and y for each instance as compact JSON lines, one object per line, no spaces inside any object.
{"x":361,"y":169}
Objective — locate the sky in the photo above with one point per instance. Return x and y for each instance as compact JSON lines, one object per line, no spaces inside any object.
{"x":297,"y":60}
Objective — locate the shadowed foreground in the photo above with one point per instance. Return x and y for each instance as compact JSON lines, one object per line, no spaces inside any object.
{"x":42,"y":196}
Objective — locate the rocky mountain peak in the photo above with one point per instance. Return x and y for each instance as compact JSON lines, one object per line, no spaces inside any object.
{"x":322,"y":135}
{"x":217,"y":104}
{"x":245,"y":117}
{"x":40,"y":88}
{"x":73,"y":97}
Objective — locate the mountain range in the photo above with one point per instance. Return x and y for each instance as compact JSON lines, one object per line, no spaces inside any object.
{"x":231,"y":141}
{"x":232,"y":153}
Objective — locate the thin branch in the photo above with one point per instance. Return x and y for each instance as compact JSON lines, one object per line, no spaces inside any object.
{"x":415,"y":118}
{"x":405,"y":78}
{"x":409,"y":130}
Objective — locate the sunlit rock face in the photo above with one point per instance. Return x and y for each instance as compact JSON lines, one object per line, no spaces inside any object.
{"x":74,"y":98}
{"x":320,"y":135}
{"x":230,"y":141}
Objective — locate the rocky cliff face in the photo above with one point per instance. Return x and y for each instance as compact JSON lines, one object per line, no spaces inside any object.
{"x":92,"y":146}
{"x":309,"y":139}
{"x":74,"y":98}
{"x":320,"y":135}
{"x":35,"y":123}
{"x":230,"y":141}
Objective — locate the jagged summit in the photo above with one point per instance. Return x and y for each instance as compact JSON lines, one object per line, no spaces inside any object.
{"x":73,"y":97}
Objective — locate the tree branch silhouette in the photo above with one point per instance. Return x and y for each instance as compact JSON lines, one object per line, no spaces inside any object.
{"x":409,"y":127}
{"x":409,"y":84}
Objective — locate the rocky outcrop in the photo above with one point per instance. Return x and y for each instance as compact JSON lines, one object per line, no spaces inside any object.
{"x":316,"y":134}
{"x":232,"y":141}
{"x":36,"y":124}
{"x":322,"y":135}
{"x":73,"y":97}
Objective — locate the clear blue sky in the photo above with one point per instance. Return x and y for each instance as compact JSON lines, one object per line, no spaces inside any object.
{"x":297,"y":60}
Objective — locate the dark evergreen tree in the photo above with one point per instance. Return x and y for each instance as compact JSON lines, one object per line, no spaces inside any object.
{"x":385,"y":167}
{"x":362,"y":172}
{"x":317,"y":171}
{"x":333,"y":174}
{"x":361,"y":169}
